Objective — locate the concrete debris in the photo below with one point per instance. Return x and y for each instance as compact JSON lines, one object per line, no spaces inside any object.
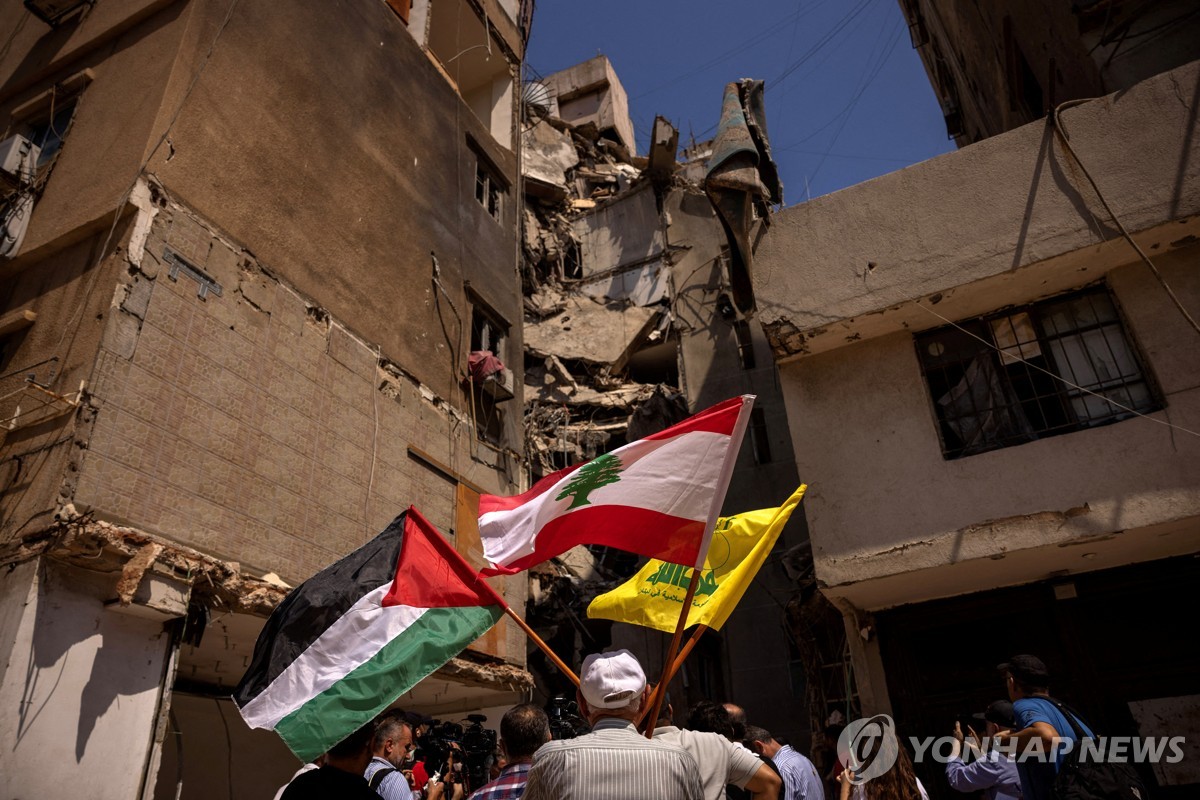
{"x":102,"y":546}
{"x":588,"y":330}
{"x":487,"y":674}
{"x":742,"y":180}
{"x":597,"y":290}
{"x":135,"y":568}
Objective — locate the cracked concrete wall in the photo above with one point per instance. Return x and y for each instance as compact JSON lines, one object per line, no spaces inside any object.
{"x":252,"y":425}
{"x":891,"y":521}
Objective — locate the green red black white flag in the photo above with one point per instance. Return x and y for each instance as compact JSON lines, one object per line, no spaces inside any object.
{"x":350,"y":640}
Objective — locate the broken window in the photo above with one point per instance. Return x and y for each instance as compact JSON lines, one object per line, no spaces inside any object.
{"x":488,"y":190}
{"x":745,"y":345}
{"x":1053,"y":367}
{"x":490,"y":379}
{"x":758,"y":436}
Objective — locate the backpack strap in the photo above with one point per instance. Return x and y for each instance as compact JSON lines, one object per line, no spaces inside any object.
{"x":380,"y":774}
{"x":1073,"y":719}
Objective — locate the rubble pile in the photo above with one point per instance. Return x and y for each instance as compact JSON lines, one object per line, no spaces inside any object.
{"x":580,"y":396}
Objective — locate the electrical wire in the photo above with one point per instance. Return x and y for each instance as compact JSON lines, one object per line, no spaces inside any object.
{"x":849,"y":110}
{"x":825,"y":39}
{"x":757,"y":38}
{"x":1065,"y":138}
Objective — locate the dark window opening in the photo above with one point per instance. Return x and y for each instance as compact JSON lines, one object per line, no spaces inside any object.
{"x":49,"y":133}
{"x":1024,"y":89}
{"x":1053,"y":367}
{"x":491,"y":390}
{"x":488,"y":191}
{"x":487,"y":333}
{"x":572,"y":262}
{"x":758,"y":436}
{"x":745,"y":344}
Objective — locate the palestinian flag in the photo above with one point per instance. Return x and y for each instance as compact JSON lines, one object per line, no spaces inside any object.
{"x":346,"y":643}
{"x":658,"y":497}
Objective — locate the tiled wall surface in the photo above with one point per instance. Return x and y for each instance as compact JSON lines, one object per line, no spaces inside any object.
{"x":251,"y":426}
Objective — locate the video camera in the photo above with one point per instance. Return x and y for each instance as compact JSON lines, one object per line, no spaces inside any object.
{"x":565,"y":722}
{"x":475,"y":746}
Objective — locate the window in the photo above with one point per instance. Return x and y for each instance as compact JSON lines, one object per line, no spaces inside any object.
{"x":50,"y":132}
{"x":758,"y":436}
{"x":488,"y":190}
{"x":1045,"y":369}
{"x":487,"y":333}
{"x":490,"y":381}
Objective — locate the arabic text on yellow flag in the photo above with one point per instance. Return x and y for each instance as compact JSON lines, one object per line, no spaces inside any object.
{"x":740,"y":545}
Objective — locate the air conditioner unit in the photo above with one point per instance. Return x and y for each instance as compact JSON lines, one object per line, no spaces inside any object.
{"x":499,"y":385}
{"x":18,"y":160}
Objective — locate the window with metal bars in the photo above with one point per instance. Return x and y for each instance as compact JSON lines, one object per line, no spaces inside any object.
{"x":488,"y":190}
{"x":1053,"y":367}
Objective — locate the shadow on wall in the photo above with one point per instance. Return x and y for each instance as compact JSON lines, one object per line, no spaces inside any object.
{"x":78,"y":646}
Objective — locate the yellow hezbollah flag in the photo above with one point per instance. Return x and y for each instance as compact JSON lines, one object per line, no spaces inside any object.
{"x":740,"y":544}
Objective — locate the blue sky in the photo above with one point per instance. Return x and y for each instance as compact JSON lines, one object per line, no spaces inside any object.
{"x":847,"y":98}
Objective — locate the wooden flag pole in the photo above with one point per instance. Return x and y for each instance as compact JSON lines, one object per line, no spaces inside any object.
{"x":550,"y":654}
{"x":672,"y":651}
{"x":683,"y":654}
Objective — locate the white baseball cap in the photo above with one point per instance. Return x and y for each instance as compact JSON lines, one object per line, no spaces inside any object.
{"x":611,"y":680}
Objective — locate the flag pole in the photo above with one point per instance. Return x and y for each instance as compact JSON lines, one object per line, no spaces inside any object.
{"x":550,"y":654}
{"x":669,"y":674}
{"x":739,"y":432}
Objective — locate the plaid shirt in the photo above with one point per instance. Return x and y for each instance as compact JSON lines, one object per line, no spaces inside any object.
{"x":509,"y":786}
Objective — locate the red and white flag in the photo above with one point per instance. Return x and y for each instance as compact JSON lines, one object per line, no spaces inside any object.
{"x":658,"y":497}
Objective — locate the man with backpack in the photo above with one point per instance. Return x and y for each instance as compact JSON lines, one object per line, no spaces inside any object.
{"x":1047,"y":743}
{"x":390,"y":748}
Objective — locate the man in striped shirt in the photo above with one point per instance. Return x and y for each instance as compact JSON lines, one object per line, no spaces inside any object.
{"x":614,"y":761}
{"x":800,"y":778}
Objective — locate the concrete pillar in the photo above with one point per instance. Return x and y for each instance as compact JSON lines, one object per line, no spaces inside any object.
{"x":865,"y":659}
{"x":81,"y":682}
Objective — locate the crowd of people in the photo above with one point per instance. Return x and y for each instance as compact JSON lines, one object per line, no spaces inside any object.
{"x":715,"y":755}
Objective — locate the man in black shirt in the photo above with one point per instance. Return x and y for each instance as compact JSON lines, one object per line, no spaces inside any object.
{"x":342,"y":776}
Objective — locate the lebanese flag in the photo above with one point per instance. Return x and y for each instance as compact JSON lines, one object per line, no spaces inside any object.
{"x":346,"y":643}
{"x":658,"y":497}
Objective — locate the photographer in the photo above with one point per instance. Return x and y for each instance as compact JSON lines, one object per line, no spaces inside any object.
{"x":448,"y":785}
{"x":523,"y":730}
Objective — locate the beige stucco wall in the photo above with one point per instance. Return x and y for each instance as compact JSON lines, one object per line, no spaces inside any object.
{"x":81,"y":684}
{"x":1013,"y":208}
{"x":844,"y":281}
{"x":885,"y":503}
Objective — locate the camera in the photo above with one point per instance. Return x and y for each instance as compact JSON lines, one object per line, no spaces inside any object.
{"x":471,"y":747}
{"x":565,"y":722}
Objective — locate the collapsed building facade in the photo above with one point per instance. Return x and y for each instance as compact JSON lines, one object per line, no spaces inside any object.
{"x":990,"y":364}
{"x":633,"y":321}
{"x":243,"y":293}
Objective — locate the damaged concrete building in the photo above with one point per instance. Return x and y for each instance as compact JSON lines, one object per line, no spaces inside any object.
{"x":632,"y":322}
{"x":990,"y":363}
{"x":243,"y":295}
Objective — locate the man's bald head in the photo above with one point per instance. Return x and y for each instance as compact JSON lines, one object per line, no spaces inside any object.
{"x":737,"y":715}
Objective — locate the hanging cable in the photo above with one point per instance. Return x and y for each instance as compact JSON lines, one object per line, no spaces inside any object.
{"x":1064,"y":137}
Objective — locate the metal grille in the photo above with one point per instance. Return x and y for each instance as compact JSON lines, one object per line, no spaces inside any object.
{"x":993,"y":393}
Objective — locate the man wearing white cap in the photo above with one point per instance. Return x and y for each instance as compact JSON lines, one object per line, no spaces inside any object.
{"x":614,"y":761}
